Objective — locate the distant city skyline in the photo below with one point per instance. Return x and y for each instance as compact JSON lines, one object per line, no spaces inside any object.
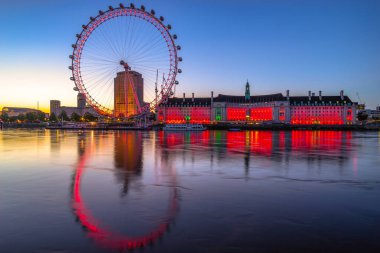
{"x":277,"y":45}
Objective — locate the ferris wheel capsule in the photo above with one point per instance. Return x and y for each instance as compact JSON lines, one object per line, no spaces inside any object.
{"x":132,"y":6}
{"x":122,"y":6}
{"x":78,"y":36}
{"x":169,"y":27}
{"x":162,"y":19}
{"x":179,"y":47}
{"x":179,"y":71}
{"x":72,"y":78}
{"x":71,"y":57}
{"x":84,"y":27}
{"x":142,"y":7}
{"x":175,"y":36}
{"x":179,"y":58}
{"x":76,"y":88}
{"x":152,"y":12}
{"x":110,"y":8}
{"x":73,"y":45}
{"x":92,"y":18}
{"x":71,"y":67}
{"x":101,"y":12}
{"x":176,"y":82}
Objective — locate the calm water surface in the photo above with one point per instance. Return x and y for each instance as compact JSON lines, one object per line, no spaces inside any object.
{"x":215,"y":191}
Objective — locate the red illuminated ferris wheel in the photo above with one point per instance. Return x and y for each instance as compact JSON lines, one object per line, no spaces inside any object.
{"x":125,"y":61}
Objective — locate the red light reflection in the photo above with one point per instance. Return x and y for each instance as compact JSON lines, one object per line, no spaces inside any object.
{"x":260,"y":142}
{"x":109,"y":239}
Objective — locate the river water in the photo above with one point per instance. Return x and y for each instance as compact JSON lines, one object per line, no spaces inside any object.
{"x":212,"y":191}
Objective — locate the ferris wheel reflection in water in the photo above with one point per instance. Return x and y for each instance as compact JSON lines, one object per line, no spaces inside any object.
{"x":128,"y":163}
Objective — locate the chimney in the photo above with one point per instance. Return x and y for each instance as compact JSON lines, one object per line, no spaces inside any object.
{"x":192,"y":97}
{"x":287,"y":95}
{"x":184,"y":97}
{"x":320,"y":95}
{"x":309,"y":95}
{"x":212,"y":97}
{"x":342,"y":95}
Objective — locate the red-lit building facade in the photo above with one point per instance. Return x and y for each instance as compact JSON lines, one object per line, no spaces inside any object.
{"x":274,"y":108}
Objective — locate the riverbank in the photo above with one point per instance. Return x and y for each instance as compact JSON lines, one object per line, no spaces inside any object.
{"x":24,"y":125}
{"x":228,"y":127}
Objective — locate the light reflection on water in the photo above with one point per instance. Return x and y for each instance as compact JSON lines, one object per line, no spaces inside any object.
{"x":212,"y":191}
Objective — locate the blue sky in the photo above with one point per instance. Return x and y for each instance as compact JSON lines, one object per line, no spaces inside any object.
{"x":276,"y":44}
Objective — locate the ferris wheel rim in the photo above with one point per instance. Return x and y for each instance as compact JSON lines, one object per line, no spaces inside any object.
{"x":108,"y":15}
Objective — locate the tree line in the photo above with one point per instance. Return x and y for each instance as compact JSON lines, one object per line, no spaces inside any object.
{"x":33,"y":117}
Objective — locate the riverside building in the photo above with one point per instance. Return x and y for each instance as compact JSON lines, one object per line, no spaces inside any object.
{"x":81,"y":109}
{"x":125,"y":88}
{"x":260,"y":109}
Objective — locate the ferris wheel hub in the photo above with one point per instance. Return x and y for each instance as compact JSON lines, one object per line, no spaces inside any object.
{"x":125,"y":65}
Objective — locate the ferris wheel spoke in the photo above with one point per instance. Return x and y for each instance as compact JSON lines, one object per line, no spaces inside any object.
{"x":153,"y":51}
{"x":103,"y":91}
{"x":95,"y":81}
{"x":102,"y":54}
{"x":98,"y":44}
{"x":148,"y":45}
{"x":108,"y":41}
{"x":89,"y":58}
{"x":131,"y":34}
{"x":150,"y":61}
{"x":117,"y":38}
{"x":145,"y":67}
{"x":137,"y":36}
{"x":122,"y":25}
{"x":94,"y":71}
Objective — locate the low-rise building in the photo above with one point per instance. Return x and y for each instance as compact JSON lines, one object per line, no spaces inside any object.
{"x":81,"y":108}
{"x":16,"y":111}
{"x":273,"y":108}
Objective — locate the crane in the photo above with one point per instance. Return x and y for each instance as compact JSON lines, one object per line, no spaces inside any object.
{"x":361,"y":106}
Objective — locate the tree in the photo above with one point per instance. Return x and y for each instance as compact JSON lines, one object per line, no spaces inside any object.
{"x":21,"y":117}
{"x":89,"y":117}
{"x":63,"y":116}
{"x":5,"y":117}
{"x":362,"y":116}
{"x":13,"y":119}
{"x":41,"y":116}
{"x":75,"y":117}
{"x":53,"y":117}
{"x":31,"y":116}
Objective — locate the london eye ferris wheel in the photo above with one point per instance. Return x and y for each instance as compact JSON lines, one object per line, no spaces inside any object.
{"x":125,"y":61}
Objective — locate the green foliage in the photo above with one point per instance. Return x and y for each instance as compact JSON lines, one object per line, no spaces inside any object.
{"x":41,"y":116}
{"x":63,"y":116}
{"x":89,"y":117}
{"x":13,"y":119}
{"x":362,"y":116}
{"x":21,"y":117}
{"x":75,"y":117}
{"x":53,"y":117}
{"x":5,"y":117}
{"x":31,"y":117}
